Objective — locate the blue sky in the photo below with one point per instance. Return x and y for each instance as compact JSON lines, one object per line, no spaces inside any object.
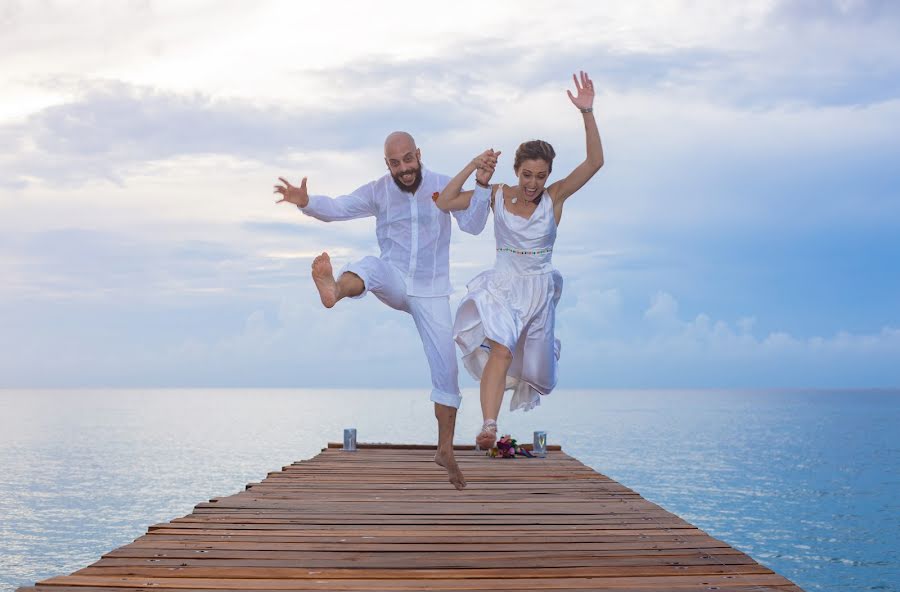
{"x":743,"y":233}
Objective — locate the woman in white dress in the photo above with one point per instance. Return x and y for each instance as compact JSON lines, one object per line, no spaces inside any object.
{"x":505,"y":324}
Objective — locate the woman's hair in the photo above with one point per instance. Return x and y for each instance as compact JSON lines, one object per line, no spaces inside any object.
{"x":534,"y":150}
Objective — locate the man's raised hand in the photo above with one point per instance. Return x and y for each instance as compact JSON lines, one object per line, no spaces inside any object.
{"x":295,"y":195}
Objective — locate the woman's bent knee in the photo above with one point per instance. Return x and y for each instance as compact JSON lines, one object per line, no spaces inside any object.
{"x":499,"y":351}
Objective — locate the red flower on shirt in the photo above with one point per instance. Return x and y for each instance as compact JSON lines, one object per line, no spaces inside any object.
{"x":435,"y":196}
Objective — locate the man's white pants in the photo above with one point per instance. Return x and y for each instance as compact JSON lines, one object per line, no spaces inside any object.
{"x":431,"y":315}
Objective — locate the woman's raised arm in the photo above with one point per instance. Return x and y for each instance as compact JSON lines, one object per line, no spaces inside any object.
{"x":453,"y":197}
{"x":584,"y":100}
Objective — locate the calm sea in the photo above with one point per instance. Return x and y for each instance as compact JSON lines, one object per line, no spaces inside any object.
{"x":806,"y":482}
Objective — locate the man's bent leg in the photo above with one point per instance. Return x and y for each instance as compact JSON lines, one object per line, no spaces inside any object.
{"x":369,"y":274}
{"x":330,"y":291}
{"x":376,"y":276}
{"x":350,"y":285}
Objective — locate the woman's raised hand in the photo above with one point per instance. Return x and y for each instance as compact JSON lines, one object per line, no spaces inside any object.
{"x":585,"y":89}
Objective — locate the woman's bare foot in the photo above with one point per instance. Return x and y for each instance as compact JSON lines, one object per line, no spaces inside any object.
{"x":323,"y":276}
{"x":487,"y":437}
{"x":448,"y":461}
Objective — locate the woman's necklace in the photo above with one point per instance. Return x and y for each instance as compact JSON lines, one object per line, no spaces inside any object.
{"x":515,"y":199}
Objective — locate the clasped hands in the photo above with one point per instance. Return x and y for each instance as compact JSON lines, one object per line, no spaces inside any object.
{"x":485,"y":164}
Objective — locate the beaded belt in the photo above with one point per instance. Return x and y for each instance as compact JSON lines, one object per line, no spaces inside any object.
{"x":542,"y":251}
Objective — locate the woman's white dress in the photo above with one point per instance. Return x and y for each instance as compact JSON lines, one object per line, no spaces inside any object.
{"x":515,"y":304}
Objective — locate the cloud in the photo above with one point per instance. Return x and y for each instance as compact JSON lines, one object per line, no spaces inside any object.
{"x":106,"y":125}
{"x":76,"y":264}
{"x":834,"y":12}
{"x":596,"y":310}
{"x":283,"y":337}
{"x":113,"y":129}
{"x":663,"y":310}
{"x":668,"y":350}
{"x":279,"y":337}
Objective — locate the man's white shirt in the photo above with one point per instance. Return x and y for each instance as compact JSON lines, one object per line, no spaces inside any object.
{"x":413,"y":233}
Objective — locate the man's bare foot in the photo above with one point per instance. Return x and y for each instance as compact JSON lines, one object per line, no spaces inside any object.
{"x":487,"y":437}
{"x":448,"y":461}
{"x":323,"y":276}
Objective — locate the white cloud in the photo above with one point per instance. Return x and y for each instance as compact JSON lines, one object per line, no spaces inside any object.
{"x":663,"y":310}
{"x":670,"y":350}
{"x":596,"y":310}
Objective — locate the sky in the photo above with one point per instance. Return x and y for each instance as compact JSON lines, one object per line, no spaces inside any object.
{"x":743,"y":233}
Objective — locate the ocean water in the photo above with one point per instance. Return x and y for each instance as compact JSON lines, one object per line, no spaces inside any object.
{"x":806,"y":482}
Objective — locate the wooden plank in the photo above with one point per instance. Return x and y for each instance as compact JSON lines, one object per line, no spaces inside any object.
{"x":699,"y":582}
{"x":384,"y":518}
{"x":487,"y":547}
{"x":456,"y":559}
{"x":293,"y":573}
{"x":662,"y":554}
{"x":522,"y":537}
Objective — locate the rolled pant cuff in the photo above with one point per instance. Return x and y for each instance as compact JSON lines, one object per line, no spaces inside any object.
{"x":445,"y":398}
{"x":358,"y":272}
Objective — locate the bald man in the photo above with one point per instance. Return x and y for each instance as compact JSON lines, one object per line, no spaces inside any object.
{"x":412,"y":274}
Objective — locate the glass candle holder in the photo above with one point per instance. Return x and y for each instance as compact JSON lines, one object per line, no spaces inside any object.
{"x":540,"y":444}
{"x":350,"y":440}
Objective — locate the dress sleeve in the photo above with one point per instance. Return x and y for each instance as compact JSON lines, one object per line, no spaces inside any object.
{"x":358,"y":204}
{"x":474,"y":218}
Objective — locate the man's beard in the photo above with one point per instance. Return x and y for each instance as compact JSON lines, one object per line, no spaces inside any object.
{"x":409,"y":188}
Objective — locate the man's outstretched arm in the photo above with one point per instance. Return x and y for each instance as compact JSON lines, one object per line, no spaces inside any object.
{"x":359,"y":204}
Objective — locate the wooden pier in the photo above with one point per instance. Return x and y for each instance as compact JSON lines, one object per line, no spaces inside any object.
{"x":385,"y":518}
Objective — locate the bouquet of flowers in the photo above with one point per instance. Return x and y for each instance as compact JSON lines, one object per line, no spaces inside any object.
{"x":507,"y":447}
